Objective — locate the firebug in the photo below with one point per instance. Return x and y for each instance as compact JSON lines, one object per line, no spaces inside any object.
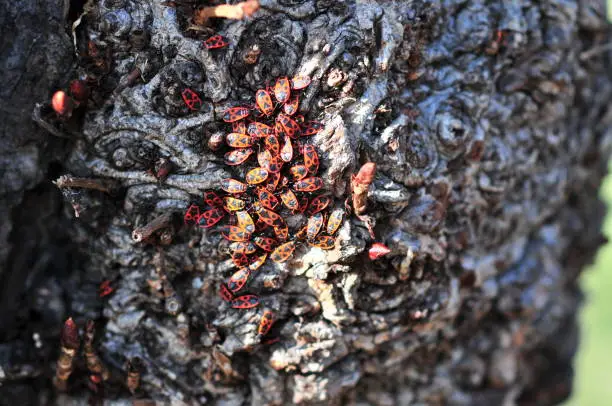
{"x":264,"y":102}
{"x":290,"y":127}
{"x":212,"y":199}
{"x":300,"y":82}
{"x":282,"y":90}
{"x":259,"y":130}
{"x":265,"y":324}
{"x":271,"y":144}
{"x":245,"y":221}
{"x":311,"y":159}
{"x":325,"y":242}
{"x":334,"y":221}
{"x":268,"y":216}
{"x":259,"y":261}
{"x":283,"y":252}
{"x":238,"y":280}
{"x":233,"y":186}
{"x":266,"y":198}
{"x":191,"y":99}
{"x":245,"y":302}
{"x":237,"y":156}
{"x":318,"y":204}
{"x":233,"y":233}
{"x":240,"y":261}
{"x":265,"y":243}
{"x":216,"y":41}
{"x":281,"y":232}
{"x":235,"y":113}
{"x":298,"y":172}
{"x":225,"y":293}
{"x":291,"y":107}
{"x":192,"y":214}
{"x":315,"y":223}
{"x":290,"y":200}
{"x":308,"y":184}
{"x":233,"y":204}
{"x":243,"y":247}
{"x":238,"y":140}
{"x":311,"y":128}
{"x":239,"y":127}
{"x":210,"y":217}
{"x":286,"y":152}
{"x":256,"y":176}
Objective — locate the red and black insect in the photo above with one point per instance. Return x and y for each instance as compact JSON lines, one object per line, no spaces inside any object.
{"x":308,"y":184}
{"x":237,"y":156}
{"x":245,"y":302}
{"x":282,"y":90}
{"x":238,"y":140}
{"x":291,"y":107}
{"x":300,"y":82}
{"x":325,"y":242}
{"x":311,"y":158}
{"x":239,"y":127}
{"x":210,"y":217}
{"x":265,"y":243}
{"x":105,"y":288}
{"x":243,"y":247}
{"x":259,"y":130}
{"x":215,"y":42}
{"x":233,"y":186}
{"x":225,"y":293}
{"x":233,"y":233}
{"x":235,"y":113}
{"x":311,"y":128}
{"x":268,"y":216}
{"x":315,"y":223}
{"x":258,"y":262}
{"x":286,"y":151}
{"x":265,"y":323}
{"x":271,"y":144}
{"x":289,"y":126}
{"x":238,"y":280}
{"x":290,"y":200}
{"x":298,"y":172}
{"x":334,"y":221}
{"x":256,"y":176}
{"x":266,"y":198}
{"x":283,"y":252}
{"x":240,"y":260}
{"x":232,"y":204}
{"x":281,"y":232}
{"x":264,"y":102}
{"x":192,"y":214}
{"x":212,"y":199}
{"x":191,"y":99}
{"x":318,"y":204}
{"x":245,"y":221}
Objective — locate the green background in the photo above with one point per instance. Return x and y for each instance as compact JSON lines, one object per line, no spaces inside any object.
{"x":593,"y":381}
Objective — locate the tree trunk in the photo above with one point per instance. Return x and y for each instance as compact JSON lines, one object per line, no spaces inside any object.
{"x":489,"y":124}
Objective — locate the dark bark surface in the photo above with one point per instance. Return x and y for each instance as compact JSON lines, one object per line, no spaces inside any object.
{"x":490,"y":127}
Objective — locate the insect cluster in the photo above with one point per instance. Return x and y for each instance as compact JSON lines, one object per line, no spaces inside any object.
{"x":283,"y":183}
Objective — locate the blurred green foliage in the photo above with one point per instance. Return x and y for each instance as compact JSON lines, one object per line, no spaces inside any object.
{"x":593,"y":365}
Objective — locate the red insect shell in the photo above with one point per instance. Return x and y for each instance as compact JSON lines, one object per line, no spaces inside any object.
{"x":298,"y":172}
{"x":256,"y":176}
{"x":239,"y":127}
{"x":264,"y":102}
{"x":315,"y":223}
{"x":79,"y":90}
{"x":268,"y":216}
{"x":235,"y":113}
{"x":300,"y":82}
{"x":325,"y":242}
{"x":238,"y":140}
{"x":281,"y":232}
{"x":271,"y":163}
{"x":290,"y":127}
{"x":378,"y":250}
{"x":282,"y":90}
{"x":245,"y":221}
{"x":212,"y":199}
{"x":302,"y":233}
{"x":233,"y":204}
{"x":311,"y":158}
{"x":286,"y":152}
{"x":273,"y":180}
{"x":243,"y":247}
{"x":283,"y":252}
{"x":303,"y":204}
{"x":291,"y":107}
{"x":234,"y":233}
{"x":240,"y":260}
{"x":278,"y":129}
{"x":216,"y":41}
{"x":290,"y":200}
{"x":266,"y":198}
{"x":233,"y":186}
{"x":62,"y":103}
{"x":210,"y":217}
{"x":105,"y":288}
{"x":225,"y":293}
{"x":191,"y":99}
{"x":311,"y":128}
{"x":259,"y":130}
{"x":271,"y":144}
{"x":308,"y":184}
{"x":238,"y":279}
{"x":318,"y":203}
{"x":245,"y":302}
{"x":265,"y":243}
{"x":266,"y":322}
{"x":260,"y":225}
{"x":259,"y":261}
{"x":192,"y":214}
{"x":237,"y":156}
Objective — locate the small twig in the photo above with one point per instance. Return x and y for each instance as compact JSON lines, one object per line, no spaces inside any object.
{"x":142,"y":233}
{"x":229,"y":11}
{"x":67,"y":181}
{"x":586,"y":55}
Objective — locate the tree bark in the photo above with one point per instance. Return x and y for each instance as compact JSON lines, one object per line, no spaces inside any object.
{"x":489,"y":124}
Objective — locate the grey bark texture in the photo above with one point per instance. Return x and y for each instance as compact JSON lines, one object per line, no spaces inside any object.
{"x":490,"y":124}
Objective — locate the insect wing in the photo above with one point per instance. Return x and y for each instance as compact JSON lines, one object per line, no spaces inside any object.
{"x":238,"y":140}
{"x":283,"y":252}
{"x":282,"y":90}
{"x":290,"y":200}
{"x":256,"y":176}
{"x":300,"y":82}
{"x":233,"y":186}
{"x":216,"y":41}
{"x":237,"y":156}
{"x":225,"y":293}
{"x":318,"y":204}
{"x":308,"y":184}
{"x":315,"y":223}
{"x":245,"y":302}
{"x":311,"y":158}
{"x":265,"y":324}
{"x":210,"y":217}
{"x":192,"y":214}
{"x":264,"y":102}
{"x":233,"y":233}
{"x":234,"y":114}
{"x":238,"y":280}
